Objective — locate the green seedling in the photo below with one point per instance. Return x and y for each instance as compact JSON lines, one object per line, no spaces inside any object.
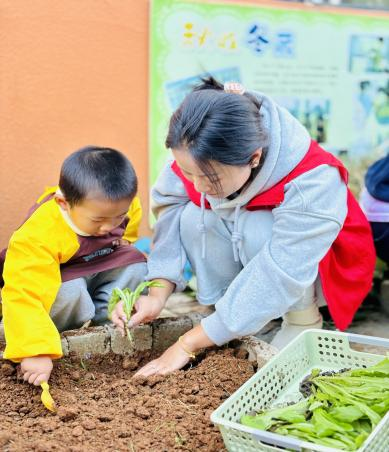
{"x":129,"y":298}
{"x":83,"y":365}
{"x":179,"y":439}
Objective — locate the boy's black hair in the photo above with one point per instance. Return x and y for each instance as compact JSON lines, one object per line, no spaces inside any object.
{"x":97,"y":169}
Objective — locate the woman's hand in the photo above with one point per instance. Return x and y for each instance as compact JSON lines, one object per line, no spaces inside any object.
{"x":172,"y":359}
{"x":177,"y":355}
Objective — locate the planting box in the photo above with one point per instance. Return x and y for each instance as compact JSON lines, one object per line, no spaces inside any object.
{"x":277,"y":382}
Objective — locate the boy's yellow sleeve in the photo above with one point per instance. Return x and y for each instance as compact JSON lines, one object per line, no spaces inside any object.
{"x":131,"y":234}
{"x":32,"y":279}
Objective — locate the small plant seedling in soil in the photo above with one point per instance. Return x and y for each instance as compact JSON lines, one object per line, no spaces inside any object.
{"x":83,"y":365}
{"x":129,"y":298}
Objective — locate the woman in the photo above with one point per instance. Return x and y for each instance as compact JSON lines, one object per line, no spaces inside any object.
{"x":265,"y":218}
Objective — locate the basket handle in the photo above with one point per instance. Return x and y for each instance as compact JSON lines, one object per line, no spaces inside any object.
{"x":272,"y":439}
{"x":370,"y":340}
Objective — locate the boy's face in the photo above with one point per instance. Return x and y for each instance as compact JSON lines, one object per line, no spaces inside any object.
{"x":96,"y":215}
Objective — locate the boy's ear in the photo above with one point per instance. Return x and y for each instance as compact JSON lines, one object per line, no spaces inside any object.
{"x":61,"y":201}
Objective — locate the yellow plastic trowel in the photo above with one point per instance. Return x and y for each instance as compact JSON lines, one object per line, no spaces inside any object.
{"x":46,"y":398}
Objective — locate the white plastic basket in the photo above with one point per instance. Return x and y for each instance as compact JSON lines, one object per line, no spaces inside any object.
{"x":278,"y":382}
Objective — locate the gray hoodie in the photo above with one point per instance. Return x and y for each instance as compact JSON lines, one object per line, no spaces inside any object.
{"x":303,"y":229}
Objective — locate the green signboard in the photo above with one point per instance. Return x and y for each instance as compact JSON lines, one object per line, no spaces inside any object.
{"x":328,"y":68}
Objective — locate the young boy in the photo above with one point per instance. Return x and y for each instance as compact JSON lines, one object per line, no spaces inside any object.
{"x":72,"y":250}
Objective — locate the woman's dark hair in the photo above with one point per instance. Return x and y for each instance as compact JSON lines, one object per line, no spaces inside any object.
{"x":98,"y":169}
{"x":214,"y":125}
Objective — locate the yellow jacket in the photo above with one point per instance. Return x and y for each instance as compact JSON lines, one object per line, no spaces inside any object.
{"x":32,"y":278}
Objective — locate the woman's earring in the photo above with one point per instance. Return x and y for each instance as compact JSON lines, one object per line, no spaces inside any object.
{"x":254,"y":163}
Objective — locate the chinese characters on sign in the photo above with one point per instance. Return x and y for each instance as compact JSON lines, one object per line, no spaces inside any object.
{"x":258,"y":39}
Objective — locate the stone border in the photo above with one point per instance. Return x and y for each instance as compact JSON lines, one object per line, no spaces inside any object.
{"x":156,"y":336}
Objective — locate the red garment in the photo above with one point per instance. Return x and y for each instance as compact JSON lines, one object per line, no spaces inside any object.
{"x":346,"y":271}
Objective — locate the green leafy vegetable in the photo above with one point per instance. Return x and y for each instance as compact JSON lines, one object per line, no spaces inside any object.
{"x":342,"y":408}
{"x":266,"y":419}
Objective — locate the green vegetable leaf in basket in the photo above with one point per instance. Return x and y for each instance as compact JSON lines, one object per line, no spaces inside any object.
{"x":341,"y":410}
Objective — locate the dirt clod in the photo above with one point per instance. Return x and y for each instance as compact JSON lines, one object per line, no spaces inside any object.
{"x":154,"y":379}
{"x":89,"y":424}
{"x":142,"y":412}
{"x":105,"y":418}
{"x":66,"y":414}
{"x":7,"y":369}
{"x":77,"y":431}
{"x":130,"y":363}
{"x":241,"y":353}
{"x":75,"y":375}
{"x":4,"y":439}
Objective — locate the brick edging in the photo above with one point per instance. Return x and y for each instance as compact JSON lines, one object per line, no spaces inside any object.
{"x":157,"y":336}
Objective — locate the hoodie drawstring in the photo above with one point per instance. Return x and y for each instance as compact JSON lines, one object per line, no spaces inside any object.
{"x":201,"y":226}
{"x":236,"y":236}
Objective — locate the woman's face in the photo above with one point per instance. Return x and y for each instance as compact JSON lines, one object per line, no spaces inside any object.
{"x":225,"y":179}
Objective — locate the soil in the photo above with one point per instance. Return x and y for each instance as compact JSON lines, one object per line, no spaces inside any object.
{"x":101,"y":408}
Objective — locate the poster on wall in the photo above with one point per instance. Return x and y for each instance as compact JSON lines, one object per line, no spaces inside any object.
{"x":330,"y":69}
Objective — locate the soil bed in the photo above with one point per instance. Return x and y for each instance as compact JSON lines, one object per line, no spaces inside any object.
{"x":102,"y":409}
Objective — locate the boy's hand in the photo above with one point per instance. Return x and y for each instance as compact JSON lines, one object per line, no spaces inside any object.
{"x":147,"y":308}
{"x":36,"y":369}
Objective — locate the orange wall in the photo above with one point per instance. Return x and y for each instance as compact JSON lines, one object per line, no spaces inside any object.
{"x":72,"y":73}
